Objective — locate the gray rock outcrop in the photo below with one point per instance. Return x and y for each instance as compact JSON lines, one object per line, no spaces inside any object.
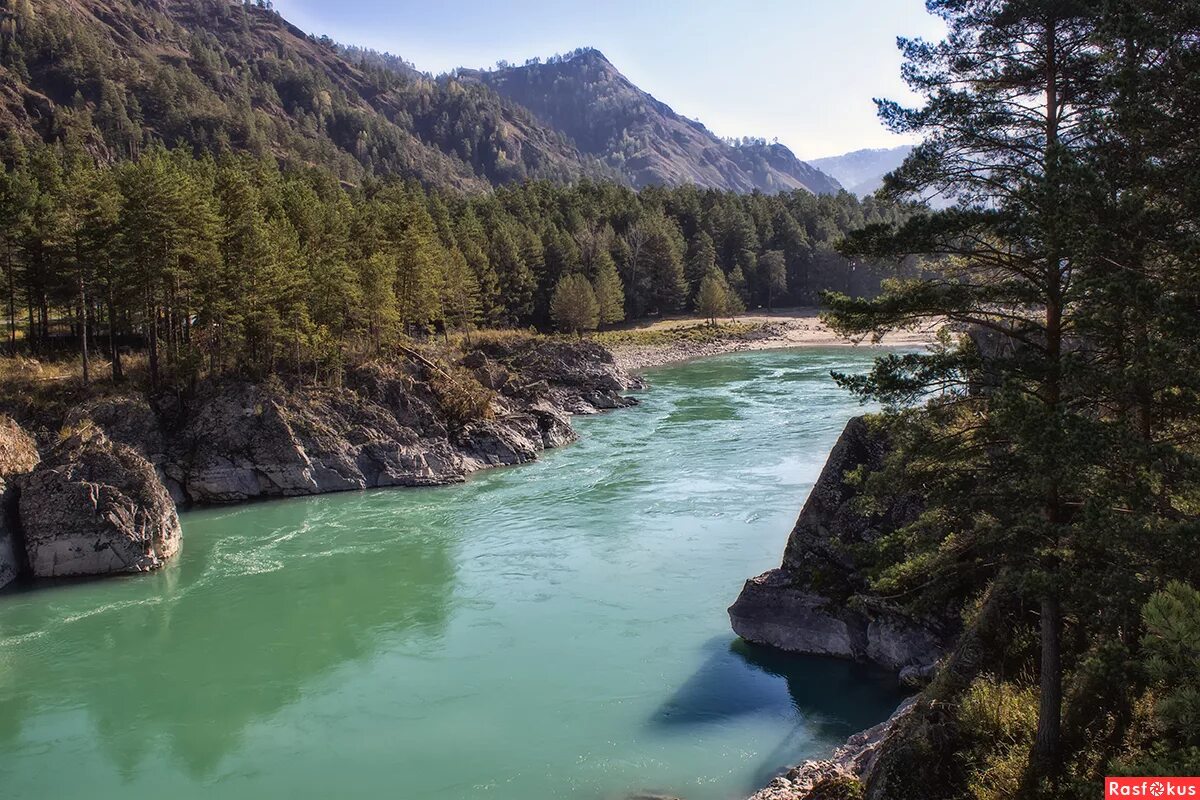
{"x":248,"y":440}
{"x":772,"y":609}
{"x":18,"y":455}
{"x":817,"y":601}
{"x":386,"y":426}
{"x":96,"y":507}
{"x":575,"y":377}
{"x":852,"y":762}
{"x":104,"y":500}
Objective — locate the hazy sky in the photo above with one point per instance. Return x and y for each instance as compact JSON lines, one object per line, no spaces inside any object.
{"x":802,"y":70}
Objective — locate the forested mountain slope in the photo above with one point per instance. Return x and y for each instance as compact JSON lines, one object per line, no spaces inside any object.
{"x":217,"y":75}
{"x":586,"y":97}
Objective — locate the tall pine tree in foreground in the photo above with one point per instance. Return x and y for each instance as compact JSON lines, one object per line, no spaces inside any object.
{"x":1022,"y":444}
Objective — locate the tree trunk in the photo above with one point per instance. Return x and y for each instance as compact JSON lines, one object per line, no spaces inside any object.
{"x":153,"y":315}
{"x":113,"y":351}
{"x":12,"y":308}
{"x":1046,"y":743}
{"x":1045,"y":756}
{"x":33,"y":341}
{"x":83,"y":332}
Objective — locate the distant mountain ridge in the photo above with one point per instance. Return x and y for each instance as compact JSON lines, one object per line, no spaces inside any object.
{"x":862,"y":171}
{"x":587,"y":98}
{"x":222,"y":75}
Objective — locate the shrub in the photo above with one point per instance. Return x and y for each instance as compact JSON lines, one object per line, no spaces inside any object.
{"x":998,"y":721}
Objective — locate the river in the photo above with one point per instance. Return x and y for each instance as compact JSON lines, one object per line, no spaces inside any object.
{"x":551,"y":630}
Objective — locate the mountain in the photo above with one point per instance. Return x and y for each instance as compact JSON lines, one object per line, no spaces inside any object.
{"x":583,"y":95}
{"x":862,"y":171}
{"x":220,"y":75}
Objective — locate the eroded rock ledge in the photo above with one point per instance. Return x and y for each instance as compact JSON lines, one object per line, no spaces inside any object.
{"x":102,"y":500}
{"x":817,"y":601}
{"x":18,"y":455}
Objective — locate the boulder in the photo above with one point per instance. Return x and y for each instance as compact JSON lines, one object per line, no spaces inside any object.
{"x":18,"y":455}
{"x":126,"y":419}
{"x":508,"y":440}
{"x":579,"y":377}
{"x":96,"y":507}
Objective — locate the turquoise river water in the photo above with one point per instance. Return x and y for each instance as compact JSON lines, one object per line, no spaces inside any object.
{"x":551,"y":630}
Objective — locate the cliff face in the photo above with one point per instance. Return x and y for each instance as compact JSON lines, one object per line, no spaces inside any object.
{"x":817,"y":601}
{"x":102,"y":503}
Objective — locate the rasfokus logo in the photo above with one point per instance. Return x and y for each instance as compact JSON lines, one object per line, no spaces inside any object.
{"x":1151,"y":787}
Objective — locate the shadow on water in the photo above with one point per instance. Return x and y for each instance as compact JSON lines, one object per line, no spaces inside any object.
{"x":828,"y":699}
{"x":238,"y":631}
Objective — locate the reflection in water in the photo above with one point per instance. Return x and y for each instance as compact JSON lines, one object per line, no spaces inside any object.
{"x":551,"y":630}
{"x":830,"y":699}
{"x":189,"y":663}
{"x":738,"y":678}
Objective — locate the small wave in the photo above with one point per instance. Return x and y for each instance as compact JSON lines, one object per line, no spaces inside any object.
{"x":251,"y":563}
{"x":21,"y":638}
{"x":104,"y":609}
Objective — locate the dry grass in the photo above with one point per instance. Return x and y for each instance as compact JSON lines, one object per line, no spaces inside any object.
{"x":697,"y":334}
{"x":38,"y":392}
{"x":18,"y":451}
{"x":1000,"y":718}
{"x":491,"y":337}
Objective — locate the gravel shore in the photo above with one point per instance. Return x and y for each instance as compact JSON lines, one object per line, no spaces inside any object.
{"x":769,"y":332}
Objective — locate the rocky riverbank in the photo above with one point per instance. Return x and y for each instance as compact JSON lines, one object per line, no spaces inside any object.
{"x":103,"y":498}
{"x":818,"y":602}
{"x":833,"y":778}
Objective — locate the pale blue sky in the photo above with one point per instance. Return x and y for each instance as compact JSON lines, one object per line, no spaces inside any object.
{"x":802,"y":70}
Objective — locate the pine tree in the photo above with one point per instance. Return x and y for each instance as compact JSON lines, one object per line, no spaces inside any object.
{"x":739,"y":291}
{"x":607,"y":286}
{"x":93,"y":206}
{"x":515,"y":280}
{"x":419,"y":264}
{"x":16,"y":190}
{"x":661,"y":261}
{"x":377,"y":285}
{"x":774,"y":273}
{"x":573,"y":306}
{"x":701,"y":260}
{"x":246,"y":307}
{"x":473,"y":243}
{"x":714,"y":298}
{"x":1003,"y":95}
{"x":460,"y":293}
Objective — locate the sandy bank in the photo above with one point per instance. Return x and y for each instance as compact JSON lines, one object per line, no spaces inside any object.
{"x":760,"y":331}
